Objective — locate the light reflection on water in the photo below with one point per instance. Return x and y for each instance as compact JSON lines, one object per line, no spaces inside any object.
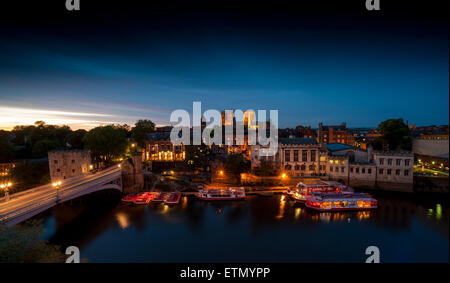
{"x":260,"y":228}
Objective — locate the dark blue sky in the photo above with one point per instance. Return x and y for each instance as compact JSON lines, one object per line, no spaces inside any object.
{"x":120,"y":66}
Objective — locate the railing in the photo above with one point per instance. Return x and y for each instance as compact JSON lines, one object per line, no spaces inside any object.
{"x":53,"y":196}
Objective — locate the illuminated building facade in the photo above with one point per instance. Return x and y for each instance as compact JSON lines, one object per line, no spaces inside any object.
{"x":65,"y":164}
{"x":159,"y":148}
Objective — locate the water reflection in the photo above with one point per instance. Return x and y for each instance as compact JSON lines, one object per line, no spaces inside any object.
{"x":250,"y":224}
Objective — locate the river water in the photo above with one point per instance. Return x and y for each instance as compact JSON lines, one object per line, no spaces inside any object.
{"x":259,"y":229}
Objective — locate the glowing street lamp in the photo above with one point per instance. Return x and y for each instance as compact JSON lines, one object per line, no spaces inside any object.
{"x":221,"y":173}
{"x":56,"y":185}
{"x":5,"y":187}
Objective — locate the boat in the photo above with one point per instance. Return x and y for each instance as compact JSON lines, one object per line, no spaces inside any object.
{"x":129,"y":198}
{"x":221,"y":194}
{"x":143,"y":198}
{"x":340,"y":201}
{"x":173,"y":198}
{"x":159,"y":197}
{"x":302,"y":191}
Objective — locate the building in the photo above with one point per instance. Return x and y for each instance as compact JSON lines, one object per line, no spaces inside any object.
{"x":159,"y":148}
{"x":64,"y":164}
{"x":391,"y":170}
{"x":334,"y":134}
{"x":297,"y":157}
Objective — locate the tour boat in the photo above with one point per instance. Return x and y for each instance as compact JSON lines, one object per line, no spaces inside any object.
{"x":221,"y":194}
{"x":129,"y":198}
{"x":159,"y":197}
{"x":173,"y":198}
{"x":302,"y":191}
{"x":340,"y":201}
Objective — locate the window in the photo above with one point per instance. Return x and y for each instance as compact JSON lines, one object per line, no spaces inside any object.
{"x":389,"y":171}
{"x":406,"y":172}
{"x":73,"y":161}
{"x":331,"y":169}
{"x":363,"y":170}
{"x":304,"y":155}
{"x":297,"y":167}
{"x":397,"y":172}
{"x":389,"y":161}
{"x":295,"y":155}
{"x":369,"y":171}
{"x":342,"y":169}
{"x":287,"y":155}
{"x":398,"y":162}
{"x":56,"y":162}
{"x":73,"y":170}
{"x":351,"y":169}
{"x":337,"y":169}
{"x":380,"y":171}
{"x":303,"y":167}
{"x":58,"y":170}
{"x":357,"y":170}
{"x":312,"y":167}
{"x":287,"y":167}
{"x":406,"y":162}
{"x":381,"y":161}
{"x":313,"y":155}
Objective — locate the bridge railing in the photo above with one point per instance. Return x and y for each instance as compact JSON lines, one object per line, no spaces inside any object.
{"x":53,"y":196}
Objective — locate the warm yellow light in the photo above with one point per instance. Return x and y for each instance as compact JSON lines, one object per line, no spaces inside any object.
{"x":9,"y":184}
{"x":133,"y":145}
{"x":221,"y":173}
{"x":118,"y":165}
{"x":283,"y":175}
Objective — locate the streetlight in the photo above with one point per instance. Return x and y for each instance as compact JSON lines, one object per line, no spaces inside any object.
{"x":6,"y":186}
{"x":57,"y":184}
{"x":221,"y":173}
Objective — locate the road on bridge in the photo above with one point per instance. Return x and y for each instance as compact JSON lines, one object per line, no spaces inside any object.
{"x":48,"y":193}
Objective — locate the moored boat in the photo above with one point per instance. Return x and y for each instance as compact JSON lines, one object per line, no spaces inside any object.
{"x":302,"y":191}
{"x":129,"y":198}
{"x":173,"y":198}
{"x":340,"y":201}
{"x":159,"y":197}
{"x":221,"y":194}
{"x":143,"y":198}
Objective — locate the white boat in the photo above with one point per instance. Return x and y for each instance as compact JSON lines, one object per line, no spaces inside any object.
{"x":221,"y":194}
{"x":340,"y":201}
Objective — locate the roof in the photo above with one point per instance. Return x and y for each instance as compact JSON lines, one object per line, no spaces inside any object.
{"x":159,"y":136}
{"x":340,"y":146}
{"x":309,"y":141}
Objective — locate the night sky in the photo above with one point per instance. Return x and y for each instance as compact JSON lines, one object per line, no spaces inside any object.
{"x":122,"y":61}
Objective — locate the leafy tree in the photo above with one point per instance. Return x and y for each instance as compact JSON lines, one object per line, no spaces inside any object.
{"x":395,"y":134}
{"x":6,"y":149}
{"x":42,"y":147}
{"x":107,"y":142}
{"x":236,"y":164}
{"x":23,"y":244}
{"x":139,"y":132}
{"x":266,"y":169}
{"x":197,"y":156}
{"x":29,"y":175}
{"x":75,"y":139}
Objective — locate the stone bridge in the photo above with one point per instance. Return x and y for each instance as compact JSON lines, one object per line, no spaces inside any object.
{"x":24,"y":205}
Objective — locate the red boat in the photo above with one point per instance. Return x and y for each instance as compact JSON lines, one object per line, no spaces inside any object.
{"x":222,"y":194}
{"x":340,"y":201}
{"x":129,"y":198}
{"x":173,"y":198}
{"x":160,"y":197}
{"x":143,"y":198}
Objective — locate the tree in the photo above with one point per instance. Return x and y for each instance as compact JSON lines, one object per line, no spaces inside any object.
{"x":139,"y":132}
{"x":236,"y":164}
{"x":107,"y":141}
{"x":23,"y":244}
{"x":42,"y":147}
{"x":395,"y":134}
{"x":266,"y":169}
{"x":75,"y":139}
{"x":6,"y":149}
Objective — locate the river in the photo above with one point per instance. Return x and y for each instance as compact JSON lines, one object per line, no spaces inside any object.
{"x":258,"y":229}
